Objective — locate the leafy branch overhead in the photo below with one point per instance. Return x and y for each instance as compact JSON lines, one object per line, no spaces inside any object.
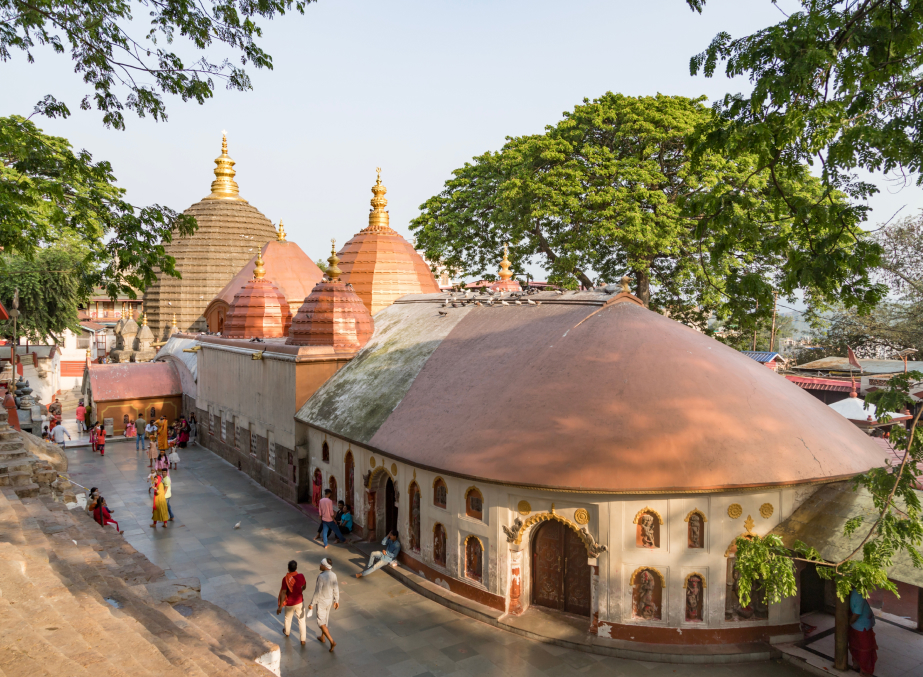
{"x":622,"y":185}
{"x":131,"y":69}
{"x":52,"y":196}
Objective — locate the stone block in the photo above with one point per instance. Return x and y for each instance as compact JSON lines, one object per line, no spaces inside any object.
{"x":171,"y":591}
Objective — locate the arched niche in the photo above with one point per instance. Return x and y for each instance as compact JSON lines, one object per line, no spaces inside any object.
{"x":647,"y":584}
{"x":414,"y":537}
{"x":474,"y":503}
{"x":734,"y":611}
{"x":440,"y":493}
{"x":474,"y":559}
{"x":325,"y":452}
{"x":439,"y":544}
{"x":647,"y":530}
{"x":694,"y":597}
{"x":695,"y":529}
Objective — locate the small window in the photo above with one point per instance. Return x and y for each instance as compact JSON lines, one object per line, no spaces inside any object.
{"x":474,"y":559}
{"x":252,"y":440}
{"x":153,"y":413}
{"x":224,"y":427}
{"x":271,"y":449}
{"x":474,"y":504}
{"x":440,"y":493}
{"x":236,"y":432}
{"x":325,"y":452}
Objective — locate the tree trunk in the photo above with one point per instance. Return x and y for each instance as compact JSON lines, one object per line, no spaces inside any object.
{"x":643,"y":287}
{"x":841,"y":634}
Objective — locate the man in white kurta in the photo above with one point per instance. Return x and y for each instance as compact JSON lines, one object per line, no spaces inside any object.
{"x":326,"y":595}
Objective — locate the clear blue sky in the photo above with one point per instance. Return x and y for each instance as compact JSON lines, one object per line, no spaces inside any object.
{"x":416,"y":87}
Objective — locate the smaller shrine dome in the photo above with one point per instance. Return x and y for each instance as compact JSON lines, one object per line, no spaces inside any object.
{"x":380,"y":264}
{"x":130,"y":328}
{"x":332,"y":315}
{"x":259,"y":309}
{"x":506,"y":283}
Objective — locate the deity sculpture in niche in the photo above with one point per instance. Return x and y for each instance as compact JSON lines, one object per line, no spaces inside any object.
{"x":439,"y":545}
{"x":694,"y":598}
{"x":648,"y":529}
{"x":756,"y":610}
{"x":414,"y":517}
{"x":647,"y":595}
{"x":696,"y":531}
{"x":473,"y":559}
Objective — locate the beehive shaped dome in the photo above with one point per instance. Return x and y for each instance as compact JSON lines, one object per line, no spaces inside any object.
{"x":332,"y":315}
{"x":259,"y":309}
{"x":380,"y":264}
{"x":230,"y":231}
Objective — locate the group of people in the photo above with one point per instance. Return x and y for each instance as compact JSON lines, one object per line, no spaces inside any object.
{"x":102,"y":513}
{"x":339,"y":522}
{"x":162,"y":440}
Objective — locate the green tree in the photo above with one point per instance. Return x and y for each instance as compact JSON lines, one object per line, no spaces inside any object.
{"x":127,"y":67}
{"x":51,"y":195}
{"x":837,"y":84}
{"x":50,"y":287}
{"x":617,"y":188}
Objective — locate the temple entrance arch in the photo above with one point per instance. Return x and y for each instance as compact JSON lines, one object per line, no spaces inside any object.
{"x":561,"y":574}
{"x":383,"y":495}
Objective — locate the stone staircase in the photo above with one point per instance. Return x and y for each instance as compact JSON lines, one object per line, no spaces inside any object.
{"x":76,"y":599}
{"x":70,"y":398}
{"x":26,"y":474}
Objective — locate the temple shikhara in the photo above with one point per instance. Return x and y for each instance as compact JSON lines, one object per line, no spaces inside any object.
{"x":571,"y":452}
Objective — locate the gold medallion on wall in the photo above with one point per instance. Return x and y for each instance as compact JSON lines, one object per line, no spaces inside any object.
{"x":394,"y":469}
{"x":524,"y":508}
{"x":581,"y":516}
{"x":766,"y":510}
{"x":735,"y":511}
{"x":371,"y":461}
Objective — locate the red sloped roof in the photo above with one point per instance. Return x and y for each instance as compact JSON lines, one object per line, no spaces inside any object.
{"x":133,"y":381}
{"x":809,"y":383}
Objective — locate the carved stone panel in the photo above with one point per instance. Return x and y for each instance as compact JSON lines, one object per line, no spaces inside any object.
{"x":694,"y":598}
{"x":439,"y":545}
{"x":647,"y":595}
{"x":756,"y":610}
{"x":696,"y":531}
{"x":474,"y":559}
{"x":647,"y":534}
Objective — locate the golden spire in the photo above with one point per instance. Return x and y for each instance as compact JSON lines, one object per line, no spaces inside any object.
{"x":378,"y":217}
{"x":505,"y":273}
{"x":332,"y":271}
{"x":259,"y":272}
{"x":281,"y":231}
{"x":224,"y":187}
{"x":174,"y":319}
{"x":144,"y":320}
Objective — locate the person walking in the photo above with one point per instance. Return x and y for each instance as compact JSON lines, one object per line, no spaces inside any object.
{"x":93,"y":432}
{"x":336,"y":518}
{"x":141,"y":427}
{"x":160,"y":512}
{"x":291,"y":597}
{"x":862,"y":644}
{"x":168,"y":490}
{"x":193,"y":427}
{"x":326,"y":510}
{"x":58,"y":435}
{"x":384,"y":557}
{"x":163,"y":431}
{"x":101,"y":440}
{"x":151,"y":431}
{"x":326,"y":594}
{"x":81,"y":415}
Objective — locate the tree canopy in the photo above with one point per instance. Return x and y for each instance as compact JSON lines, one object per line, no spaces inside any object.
{"x":619,"y":186}
{"x":126,"y":67}
{"x":50,"y":195}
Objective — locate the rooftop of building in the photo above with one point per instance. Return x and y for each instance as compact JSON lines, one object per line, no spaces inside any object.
{"x":583,"y":390}
{"x":133,"y":380}
{"x":834,"y":364}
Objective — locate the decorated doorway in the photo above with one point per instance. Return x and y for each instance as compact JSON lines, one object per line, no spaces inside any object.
{"x":560,"y":572}
{"x":350,"y":475}
{"x":333,"y":489}
{"x":390,"y":508}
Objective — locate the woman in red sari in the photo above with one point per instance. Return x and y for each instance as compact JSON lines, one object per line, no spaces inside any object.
{"x":102,"y":515}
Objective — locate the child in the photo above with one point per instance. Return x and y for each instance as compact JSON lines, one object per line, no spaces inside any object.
{"x":173,"y":458}
{"x":130,"y":430}
{"x":93,"y":435}
{"x":162,"y":463}
{"x":152,"y":478}
{"x":45,"y":433}
{"x":101,"y":440}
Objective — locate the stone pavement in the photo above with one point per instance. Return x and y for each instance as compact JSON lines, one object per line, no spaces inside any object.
{"x":382,"y":628}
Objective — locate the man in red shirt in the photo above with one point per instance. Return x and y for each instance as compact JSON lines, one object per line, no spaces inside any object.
{"x":291,"y":596}
{"x":327,"y":516}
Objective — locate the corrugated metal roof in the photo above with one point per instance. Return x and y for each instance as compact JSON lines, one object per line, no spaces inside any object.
{"x":868,"y":366}
{"x":760,"y":356}
{"x":819,"y":522}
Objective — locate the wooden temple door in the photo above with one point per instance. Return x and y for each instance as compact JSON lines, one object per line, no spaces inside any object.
{"x":333,"y":489}
{"x":350,"y":475}
{"x":560,"y":572}
{"x":390,"y":508}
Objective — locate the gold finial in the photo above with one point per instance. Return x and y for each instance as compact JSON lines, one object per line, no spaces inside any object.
{"x":378,"y":217}
{"x":224,"y":187}
{"x":89,"y":354}
{"x":174,"y":319}
{"x":144,"y":320}
{"x":625,"y":280}
{"x":281,"y":231}
{"x":259,"y":271}
{"x":332,"y":271}
{"x":505,"y":273}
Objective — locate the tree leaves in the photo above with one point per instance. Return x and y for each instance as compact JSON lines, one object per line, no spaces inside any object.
{"x":112,"y":57}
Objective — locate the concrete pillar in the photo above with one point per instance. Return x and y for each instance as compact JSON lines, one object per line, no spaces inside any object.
{"x":515,"y":580}
{"x":841,"y":635}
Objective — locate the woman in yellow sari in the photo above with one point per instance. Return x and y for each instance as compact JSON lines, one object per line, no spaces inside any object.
{"x":162,"y":429}
{"x":160,"y":513}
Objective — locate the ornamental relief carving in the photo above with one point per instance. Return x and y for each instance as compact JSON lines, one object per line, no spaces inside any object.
{"x":515,"y":533}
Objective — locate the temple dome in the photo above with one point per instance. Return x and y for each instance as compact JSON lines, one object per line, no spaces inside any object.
{"x":230,"y":232}
{"x":293,"y":272}
{"x":380,"y":264}
{"x":332,"y":315}
{"x":259,"y":309}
